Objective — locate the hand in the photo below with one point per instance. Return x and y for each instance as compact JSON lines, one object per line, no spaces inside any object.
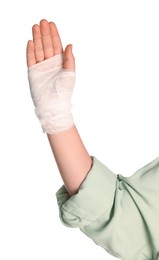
{"x":46,"y":43}
{"x":51,"y":77}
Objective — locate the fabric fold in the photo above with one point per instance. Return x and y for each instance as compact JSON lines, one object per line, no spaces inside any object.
{"x":120,"y":214}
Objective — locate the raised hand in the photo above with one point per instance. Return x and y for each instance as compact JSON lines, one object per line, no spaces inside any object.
{"x":46,"y":43}
{"x":51,"y":77}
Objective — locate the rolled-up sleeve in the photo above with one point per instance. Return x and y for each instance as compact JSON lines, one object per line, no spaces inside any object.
{"x":93,"y":198}
{"x":118,"y":213}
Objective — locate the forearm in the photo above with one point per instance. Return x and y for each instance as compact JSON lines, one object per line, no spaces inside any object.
{"x":72,"y":158}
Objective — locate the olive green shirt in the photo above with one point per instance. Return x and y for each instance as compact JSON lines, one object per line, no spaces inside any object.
{"x":120,"y":214}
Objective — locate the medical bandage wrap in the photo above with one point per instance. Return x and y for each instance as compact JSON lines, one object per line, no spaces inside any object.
{"x":51,"y":89}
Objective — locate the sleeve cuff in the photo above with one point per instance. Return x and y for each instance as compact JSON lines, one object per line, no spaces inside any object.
{"x":94,"y":197}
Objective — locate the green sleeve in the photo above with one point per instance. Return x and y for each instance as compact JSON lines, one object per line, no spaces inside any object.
{"x":120,"y":214}
{"x":94,"y":197}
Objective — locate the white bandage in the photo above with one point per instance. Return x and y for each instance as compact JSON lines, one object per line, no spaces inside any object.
{"x":51,"y":89}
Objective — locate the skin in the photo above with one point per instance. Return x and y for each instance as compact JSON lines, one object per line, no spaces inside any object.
{"x":70,"y":154}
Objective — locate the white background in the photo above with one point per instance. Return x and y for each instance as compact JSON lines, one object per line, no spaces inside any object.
{"x":115,"y":107}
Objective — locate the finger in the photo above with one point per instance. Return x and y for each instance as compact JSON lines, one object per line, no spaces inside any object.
{"x":56,"y":41}
{"x":46,"y":39}
{"x":69,"y":60}
{"x":38,"y":46}
{"x":31,"y":60}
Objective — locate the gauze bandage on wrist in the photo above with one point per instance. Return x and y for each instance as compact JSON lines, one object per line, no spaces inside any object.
{"x":51,"y":89}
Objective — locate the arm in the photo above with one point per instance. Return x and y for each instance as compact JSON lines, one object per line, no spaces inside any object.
{"x":71,"y":156}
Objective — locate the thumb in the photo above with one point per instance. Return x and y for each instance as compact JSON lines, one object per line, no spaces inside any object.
{"x":69,"y":60}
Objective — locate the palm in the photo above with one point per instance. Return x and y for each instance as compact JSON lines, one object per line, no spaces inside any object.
{"x":47,"y":43}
